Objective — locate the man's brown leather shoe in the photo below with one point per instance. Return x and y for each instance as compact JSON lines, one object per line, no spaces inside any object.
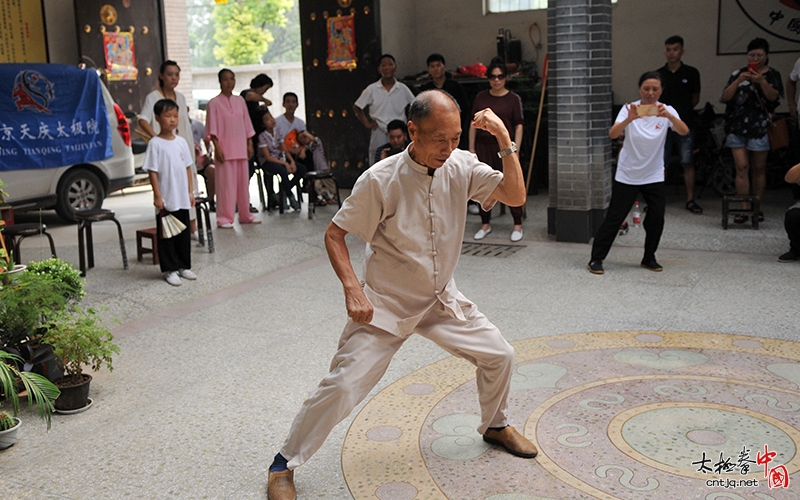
{"x":280,"y":486}
{"x":514,"y":442}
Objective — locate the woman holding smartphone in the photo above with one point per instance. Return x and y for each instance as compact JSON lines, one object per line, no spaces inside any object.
{"x":640,"y":169}
{"x":752,"y":94}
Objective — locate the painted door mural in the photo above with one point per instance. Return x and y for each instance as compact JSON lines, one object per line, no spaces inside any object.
{"x":335,"y":77}
{"x":125,"y":41}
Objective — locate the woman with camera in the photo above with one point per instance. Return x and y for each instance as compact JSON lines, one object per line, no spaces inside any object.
{"x":640,"y":169}
{"x":752,"y":95}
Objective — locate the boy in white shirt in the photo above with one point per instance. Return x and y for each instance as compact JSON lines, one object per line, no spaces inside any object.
{"x":287,"y":122}
{"x":169,"y":163}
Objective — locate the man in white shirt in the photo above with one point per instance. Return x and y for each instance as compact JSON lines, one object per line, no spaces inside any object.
{"x":387,"y":100}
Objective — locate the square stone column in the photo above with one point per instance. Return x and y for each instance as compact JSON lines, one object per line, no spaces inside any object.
{"x":579,"y":104}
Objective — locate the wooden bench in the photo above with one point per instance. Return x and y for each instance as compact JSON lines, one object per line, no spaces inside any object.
{"x":149,"y":234}
{"x":731,"y":205}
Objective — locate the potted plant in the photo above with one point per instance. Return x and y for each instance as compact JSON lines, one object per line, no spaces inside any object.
{"x":28,"y":305}
{"x":78,"y":338}
{"x":41,"y":392}
{"x":42,"y":321}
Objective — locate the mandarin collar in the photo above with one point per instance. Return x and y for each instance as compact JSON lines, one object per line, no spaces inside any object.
{"x":422,"y":169}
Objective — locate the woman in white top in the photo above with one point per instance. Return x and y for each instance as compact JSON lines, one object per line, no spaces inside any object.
{"x":169,"y":75}
{"x":640,"y":169}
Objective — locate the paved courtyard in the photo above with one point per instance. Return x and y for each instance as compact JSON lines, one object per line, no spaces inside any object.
{"x":624,"y":380}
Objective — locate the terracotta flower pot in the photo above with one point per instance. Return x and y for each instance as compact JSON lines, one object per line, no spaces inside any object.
{"x":73,"y":395}
{"x":9,"y":436}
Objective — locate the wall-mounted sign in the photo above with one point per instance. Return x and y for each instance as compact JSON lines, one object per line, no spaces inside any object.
{"x":778,"y":21}
{"x":22,"y":37}
{"x":341,"y":43}
{"x":120,"y":56}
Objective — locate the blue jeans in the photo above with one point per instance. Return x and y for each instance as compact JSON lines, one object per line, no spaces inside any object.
{"x":685,"y":144}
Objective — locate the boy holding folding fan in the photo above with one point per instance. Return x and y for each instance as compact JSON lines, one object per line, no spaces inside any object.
{"x":168,"y":161}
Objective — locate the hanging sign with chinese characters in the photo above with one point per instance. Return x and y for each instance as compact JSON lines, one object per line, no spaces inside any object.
{"x":341,"y":43}
{"x":780,"y":18}
{"x":51,"y":115}
{"x":778,"y":21}
{"x":22,"y":32}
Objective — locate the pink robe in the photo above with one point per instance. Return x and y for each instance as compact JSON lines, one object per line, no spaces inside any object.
{"x":227,"y":119}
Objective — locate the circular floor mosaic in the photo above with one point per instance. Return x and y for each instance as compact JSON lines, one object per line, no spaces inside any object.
{"x":616,"y":415}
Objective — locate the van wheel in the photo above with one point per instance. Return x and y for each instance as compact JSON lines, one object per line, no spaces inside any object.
{"x":78,"y":190}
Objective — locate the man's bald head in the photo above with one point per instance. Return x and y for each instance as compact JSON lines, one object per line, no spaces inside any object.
{"x":434,"y":125}
{"x":431,"y":102}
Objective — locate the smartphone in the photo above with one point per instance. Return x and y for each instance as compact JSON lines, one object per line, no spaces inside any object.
{"x":752,"y":67}
{"x":647,"y":110}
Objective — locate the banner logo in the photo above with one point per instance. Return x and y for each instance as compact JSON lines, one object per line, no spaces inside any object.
{"x":33,"y":91}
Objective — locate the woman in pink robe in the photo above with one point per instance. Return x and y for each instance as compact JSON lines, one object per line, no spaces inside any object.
{"x":228,"y":126}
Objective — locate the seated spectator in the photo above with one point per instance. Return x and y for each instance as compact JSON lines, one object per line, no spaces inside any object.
{"x":274,"y":160}
{"x":398,"y":140}
{"x":312,"y":146}
{"x":791,"y":221}
{"x":202,"y":154}
{"x":287,"y":122}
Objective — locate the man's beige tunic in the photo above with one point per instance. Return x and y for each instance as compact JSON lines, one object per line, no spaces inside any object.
{"x":413,"y":224}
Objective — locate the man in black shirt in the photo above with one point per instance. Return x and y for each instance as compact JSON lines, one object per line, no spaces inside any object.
{"x":681,"y":84}
{"x":440,"y":80}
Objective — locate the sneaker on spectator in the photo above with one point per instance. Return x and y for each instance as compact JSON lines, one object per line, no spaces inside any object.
{"x":172,"y":278}
{"x":187,"y":274}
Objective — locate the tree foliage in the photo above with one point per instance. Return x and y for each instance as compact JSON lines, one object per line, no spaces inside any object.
{"x":243,"y":32}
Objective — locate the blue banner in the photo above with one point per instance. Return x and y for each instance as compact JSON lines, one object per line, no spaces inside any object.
{"x":51,"y":115}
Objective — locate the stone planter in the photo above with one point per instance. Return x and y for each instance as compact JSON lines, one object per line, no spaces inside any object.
{"x":9,"y":436}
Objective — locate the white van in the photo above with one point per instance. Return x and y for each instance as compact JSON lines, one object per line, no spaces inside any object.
{"x":76,"y":187}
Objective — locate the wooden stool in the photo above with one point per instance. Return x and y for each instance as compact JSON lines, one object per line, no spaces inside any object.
{"x":752,"y":211}
{"x":85,"y":219}
{"x":308,"y":180}
{"x":18,"y":232}
{"x":149,"y":234}
{"x":203,"y":212}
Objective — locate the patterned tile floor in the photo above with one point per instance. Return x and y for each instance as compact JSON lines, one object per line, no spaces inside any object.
{"x":616,"y":415}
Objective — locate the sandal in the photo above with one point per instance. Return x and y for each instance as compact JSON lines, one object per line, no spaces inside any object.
{"x":740,"y":219}
{"x":694,"y":207}
{"x":760,"y":216}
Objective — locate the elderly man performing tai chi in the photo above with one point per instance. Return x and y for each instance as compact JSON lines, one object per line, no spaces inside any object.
{"x":409,"y":208}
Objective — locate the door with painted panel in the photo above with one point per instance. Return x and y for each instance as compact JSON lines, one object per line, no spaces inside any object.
{"x":139,"y":21}
{"x":330,"y":94}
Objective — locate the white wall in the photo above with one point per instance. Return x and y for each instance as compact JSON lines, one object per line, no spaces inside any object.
{"x":398,"y":34}
{"x":640,"y":28}
{"x":457,"y":29}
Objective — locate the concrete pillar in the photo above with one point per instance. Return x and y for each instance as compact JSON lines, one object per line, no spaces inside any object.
{"x":579,"y":104}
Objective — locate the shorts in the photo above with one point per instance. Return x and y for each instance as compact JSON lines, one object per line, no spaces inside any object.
{"x":685,"y":144}
{"x":740,"y":141}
